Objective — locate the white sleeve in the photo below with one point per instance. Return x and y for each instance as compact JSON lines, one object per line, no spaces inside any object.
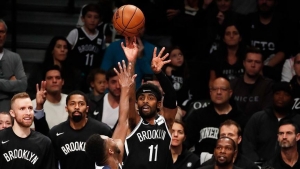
{"x":287,"y":70}
{"x":72,"y":37}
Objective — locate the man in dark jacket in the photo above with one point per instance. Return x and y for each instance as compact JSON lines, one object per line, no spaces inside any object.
{"x":203,"y":124}
{"x":260,"y":133}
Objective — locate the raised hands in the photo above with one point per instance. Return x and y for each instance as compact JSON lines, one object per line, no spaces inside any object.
{"x":40,"y":95}
{"x":125,"y":77}
{"x":157,"y":61}
{"x":131,"y":49}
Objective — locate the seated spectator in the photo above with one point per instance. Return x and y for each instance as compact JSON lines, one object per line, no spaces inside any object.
{"x":57,"y":53}
{"x":225,"y":153}
{"x":227,"y":60}
{"x":232,"y":129}
{"x":107,"y":108}
{"x":54,"y":103}
{"x":98,"y":84}
{"x":261,"y":131}
{"x":182,"y":158}
{"x":295,"y":83}
{"x":288,"y":135}
{"x":88,"y":44}
{"x":203,"y":124}
{"x":288,"y":70}
{"x":6,"y":120}
{"x":252,"y":91}
{"x":178,"y":73}
{"x":12,"y":75}
{"x":265,"y":31}
{"x":115,"y":54}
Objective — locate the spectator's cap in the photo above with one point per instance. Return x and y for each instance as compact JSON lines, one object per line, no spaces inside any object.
{"x":149,"y":88}
{"x":282,"y":86}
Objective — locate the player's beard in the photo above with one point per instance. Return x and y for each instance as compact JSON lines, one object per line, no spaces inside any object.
{"x":286,"y":144}
{"x":77,"y":118}
{"x":151,"y":114}
{"x":22,"y":123}
{"x":226,"y":163}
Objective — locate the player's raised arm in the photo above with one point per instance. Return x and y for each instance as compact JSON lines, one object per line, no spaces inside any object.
{"x":131,"y":51}
{"x":126,"y":80}
{"x":169,"y":108}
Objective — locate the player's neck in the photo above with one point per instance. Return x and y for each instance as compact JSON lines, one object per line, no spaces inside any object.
{"x":231,"y":50}
{"x":265,"y":20}
{"x":290,"y":156}
{"x":88,"y":31}
{"x":113,"y":100}
{"x":54,"y":97}
{"x":249,"y":79}
{"x":230,"y":166}
{"x":113,"y":163}
{"x":56,"y":62}
{"x":79,"y":125}
{"x":223,"y":108}
{"x":20,"y":131}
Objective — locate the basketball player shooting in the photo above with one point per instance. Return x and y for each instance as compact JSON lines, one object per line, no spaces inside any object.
{"x":148,"y":144}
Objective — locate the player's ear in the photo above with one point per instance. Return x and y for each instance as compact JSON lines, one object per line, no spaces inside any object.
{"x":87,"y":109}
{"x":159,"y":104}
{"x":12,"y":113}
{"x":110,"y":151}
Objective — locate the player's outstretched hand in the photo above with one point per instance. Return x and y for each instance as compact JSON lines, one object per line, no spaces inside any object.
{"x":157,"y":61}
{"x":125,"y":77}
{"x":131,"y":49}
{"x":40,"y":95}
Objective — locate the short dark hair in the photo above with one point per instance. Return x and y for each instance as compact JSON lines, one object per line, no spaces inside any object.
{"x":232,"y":141}
{"x":230,"y":122}
{"x":93,"y":73}
{"x":289,"y":122}
{"x":53,"y":67}
{"x":111,"y":72}
{"x":95,"y":148}
{"x":77,"y":92}
{"x":252,"y":49}
{"x":91,"y":8}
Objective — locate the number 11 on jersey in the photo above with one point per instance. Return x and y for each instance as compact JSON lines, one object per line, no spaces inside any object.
{"x":151,"y":152}
{"x":89,"y":58}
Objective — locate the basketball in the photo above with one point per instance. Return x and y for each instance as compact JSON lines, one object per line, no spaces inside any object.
{"x":129,"y":20}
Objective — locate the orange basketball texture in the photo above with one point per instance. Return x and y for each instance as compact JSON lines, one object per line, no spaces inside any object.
{"x":129,"y":20}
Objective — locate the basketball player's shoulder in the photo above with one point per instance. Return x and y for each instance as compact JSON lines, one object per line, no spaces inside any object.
{"x":5,"y":132}
{"x":99,"y":126}
{"x":39,"y":137}
{"x":59,"y":128}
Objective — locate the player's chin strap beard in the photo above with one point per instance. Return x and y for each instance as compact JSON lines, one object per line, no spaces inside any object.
{"x":146,"y":122}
